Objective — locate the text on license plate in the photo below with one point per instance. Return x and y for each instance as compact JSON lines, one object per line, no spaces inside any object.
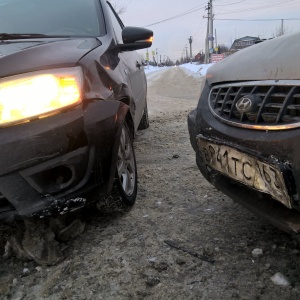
{"x":244,"y":168}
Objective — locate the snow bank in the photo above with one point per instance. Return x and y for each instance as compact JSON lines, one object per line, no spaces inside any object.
{"x":193,"y":69}
{"x":151,"y":69}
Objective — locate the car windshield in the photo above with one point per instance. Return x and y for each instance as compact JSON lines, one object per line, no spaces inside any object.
{"x":51,"y":17}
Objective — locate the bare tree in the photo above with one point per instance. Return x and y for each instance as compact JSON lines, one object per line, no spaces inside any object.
{"x":280,"y":30}
{"x":120,"y":8}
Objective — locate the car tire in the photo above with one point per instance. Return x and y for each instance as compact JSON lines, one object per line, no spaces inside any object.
{"x":124,"y":190}
{"x":144,"y":123}
{"x":126,"y":172}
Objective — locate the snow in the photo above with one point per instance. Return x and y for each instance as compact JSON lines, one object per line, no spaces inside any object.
{"x":192,"y":69}
{"x":153,"y":73}
{"x":152,"y":69}
{"x":196,"y":70}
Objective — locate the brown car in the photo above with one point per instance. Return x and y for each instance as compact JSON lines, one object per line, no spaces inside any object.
{"x":72,"y":95}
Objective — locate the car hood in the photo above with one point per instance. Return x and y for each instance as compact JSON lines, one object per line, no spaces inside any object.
{"x":18,"y":56}
{"x":273,"y":59}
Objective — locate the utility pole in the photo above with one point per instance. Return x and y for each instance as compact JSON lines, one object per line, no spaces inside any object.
{"x":211,"y":27}
{"x":156,"y":57}
{"x":147,"y":57}
{"x":209,"y":36}
{"x":216,"y":43}
{"x":281,"y":27}
{"x":186,"y":53}
{"x":190,"y":41}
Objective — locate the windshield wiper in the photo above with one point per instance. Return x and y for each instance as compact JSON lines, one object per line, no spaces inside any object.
{"x":13,"y":36}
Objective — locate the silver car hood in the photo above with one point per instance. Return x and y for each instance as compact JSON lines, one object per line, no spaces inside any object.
{"x":273,"y":59}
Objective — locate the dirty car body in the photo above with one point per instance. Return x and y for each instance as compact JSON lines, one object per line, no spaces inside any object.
{"x":72,"y":89}
{"x":246,"y":129}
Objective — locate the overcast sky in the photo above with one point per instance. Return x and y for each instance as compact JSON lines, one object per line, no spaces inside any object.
{"x":171,"y":37}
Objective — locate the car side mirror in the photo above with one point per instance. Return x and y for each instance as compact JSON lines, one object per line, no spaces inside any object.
{"x":135,"y":38}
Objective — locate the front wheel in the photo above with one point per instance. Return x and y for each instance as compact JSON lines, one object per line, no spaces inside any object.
{"x":124,"y":190}
{"x":144,"y":123}
{"x":126,"y":172}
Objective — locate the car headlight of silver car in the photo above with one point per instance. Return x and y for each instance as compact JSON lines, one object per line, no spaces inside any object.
{"x":38,"y":94}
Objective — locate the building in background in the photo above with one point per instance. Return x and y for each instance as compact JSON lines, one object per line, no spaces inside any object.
{"x":244,"y":42}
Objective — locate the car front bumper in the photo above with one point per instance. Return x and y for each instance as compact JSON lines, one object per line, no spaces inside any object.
{"x":47,"y":166}
{"x":275,"y":148}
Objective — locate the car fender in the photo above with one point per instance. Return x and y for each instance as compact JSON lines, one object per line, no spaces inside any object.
{"x":103,"y":120}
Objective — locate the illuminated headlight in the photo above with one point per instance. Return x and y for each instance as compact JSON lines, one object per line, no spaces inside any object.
{"x":31,"y":95}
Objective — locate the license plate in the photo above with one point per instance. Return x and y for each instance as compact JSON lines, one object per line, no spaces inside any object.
{"x":246,"y":169}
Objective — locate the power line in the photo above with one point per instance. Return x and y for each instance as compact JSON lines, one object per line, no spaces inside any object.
{"x":260,"y":20}
{"x":200,"y":28}
{"x":272,"y":2}
{"x":196,"y":8}
{"x":229,"y":3}
{"x":191,"y":10}
{"x":256,"y":8}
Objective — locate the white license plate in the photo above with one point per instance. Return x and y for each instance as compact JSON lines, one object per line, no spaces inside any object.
{"x":246,"y":169}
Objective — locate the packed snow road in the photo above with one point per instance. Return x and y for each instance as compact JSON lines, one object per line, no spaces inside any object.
{"x":181,"y":240}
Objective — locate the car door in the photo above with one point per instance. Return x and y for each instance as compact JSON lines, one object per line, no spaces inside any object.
{"x":135,"y":69}
{"x":132,"y":67}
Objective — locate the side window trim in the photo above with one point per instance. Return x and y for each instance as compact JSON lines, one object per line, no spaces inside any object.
{"x":103,"y":17}
{"x":116,"y":15}
{"x":117,"y":24}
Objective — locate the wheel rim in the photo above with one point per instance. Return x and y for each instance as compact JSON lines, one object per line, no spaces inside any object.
{"x":126,"y":164}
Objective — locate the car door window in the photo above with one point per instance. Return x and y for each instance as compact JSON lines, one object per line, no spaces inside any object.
{"x":55,"y":17}
{"x":116,"y":23}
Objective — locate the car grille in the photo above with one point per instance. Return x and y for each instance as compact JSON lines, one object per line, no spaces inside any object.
{"x":276,"y":104}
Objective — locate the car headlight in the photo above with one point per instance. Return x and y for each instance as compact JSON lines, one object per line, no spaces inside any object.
{"x":38,"y":94}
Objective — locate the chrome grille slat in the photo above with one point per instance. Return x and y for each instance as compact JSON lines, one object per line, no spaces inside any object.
{"x":273,"y":105}
{"x":293,"y":106}
{"x":262,"y":107}
{"x":278,"y":95}
{"x":237,"y":96}
{"x":277,"y":109}
{"x":286,"y":102}
{"x":226,"y":99}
